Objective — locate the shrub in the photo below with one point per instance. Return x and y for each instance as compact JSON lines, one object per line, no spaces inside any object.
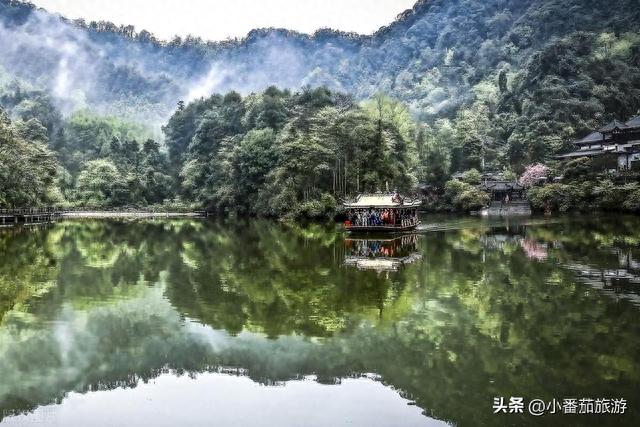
{"x":452,"y":188}
{"x":549,"y":197}
{"x":472,"y":176}
{"x":509,"y":175}
{"x":324,"y":207}
{"x":632,"y":201}
{"x":471,"y":199}
{"x":577,"y":169}
{"x":608,"y":196}
{"x":310,"y":209}
{"x":463,"y":196}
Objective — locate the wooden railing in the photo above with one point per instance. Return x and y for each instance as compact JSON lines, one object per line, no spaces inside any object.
{"x":31,"y":211}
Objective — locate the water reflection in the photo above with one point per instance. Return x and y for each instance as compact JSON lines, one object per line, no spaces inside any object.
{"x":602,"y":256}
{"x":483,"y":312}
{"x":234,"y":401}
{"x":381,"y":254}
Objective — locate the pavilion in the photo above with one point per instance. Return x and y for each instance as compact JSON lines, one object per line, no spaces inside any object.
{"x":501,"y":189}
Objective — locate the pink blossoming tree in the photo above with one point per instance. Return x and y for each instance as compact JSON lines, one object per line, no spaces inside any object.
{"x":532,"y":174}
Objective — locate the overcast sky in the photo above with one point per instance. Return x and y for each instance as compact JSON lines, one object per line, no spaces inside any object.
{"x":222,"y":19}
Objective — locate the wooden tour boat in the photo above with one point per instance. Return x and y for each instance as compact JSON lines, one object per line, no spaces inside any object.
{"x":381,"y":212}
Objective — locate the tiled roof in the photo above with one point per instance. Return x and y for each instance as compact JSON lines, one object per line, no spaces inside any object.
{"x":591,"y":138}
{"x":501,"y":185}
{"x":611,"y":126}
{"x":634,"y":122}
{"x":380,"y":201}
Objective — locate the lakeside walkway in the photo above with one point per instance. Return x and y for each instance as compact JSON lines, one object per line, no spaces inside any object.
{"x":10,"y":217}
{"x":28,"y":216}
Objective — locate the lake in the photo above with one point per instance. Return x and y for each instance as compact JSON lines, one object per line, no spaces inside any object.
{"x":249,"y":322}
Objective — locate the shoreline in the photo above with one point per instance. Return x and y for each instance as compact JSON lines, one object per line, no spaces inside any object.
{"x":121,"y":214}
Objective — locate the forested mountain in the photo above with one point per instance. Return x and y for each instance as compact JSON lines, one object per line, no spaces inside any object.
{"x":432,"y":57}
{"x":499,"y":83}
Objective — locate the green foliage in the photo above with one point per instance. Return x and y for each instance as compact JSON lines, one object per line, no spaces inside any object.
{"x":471,"y":199}
{"x":315,"y":209}
{"x":32,"y":130}
{"x":577,"y":169}
{"x":143,"y":172}
{"x":583,"y":189}
{"x":549,"y":197}
{"x":88,"y":136}
{"x":290,"y":154}
{"x":434,"y":153}
{"x":529,"y":113}
{"x":632,"y":200}
{"x":100,"y":184}
{"x":472,"y":176}
{"x":33,"y":105}
{"x":509,"y":175}
{"x":27,"y":168}
{"x":609,"y":196}
{"x":465,"y":196}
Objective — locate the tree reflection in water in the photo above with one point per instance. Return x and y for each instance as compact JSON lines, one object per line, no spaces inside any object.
{"x":93,"y":305}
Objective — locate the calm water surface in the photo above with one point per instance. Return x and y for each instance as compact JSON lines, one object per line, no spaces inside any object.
{"x":194,"y":322}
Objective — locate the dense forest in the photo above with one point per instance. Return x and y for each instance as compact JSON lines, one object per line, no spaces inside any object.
{"x":450,"y":86}
{"x":276,"y":153}
{"x":281,"y":154}
{"x":91,"y":161}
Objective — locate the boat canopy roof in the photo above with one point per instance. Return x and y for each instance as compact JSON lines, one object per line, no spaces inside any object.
{"x":364,"y":201}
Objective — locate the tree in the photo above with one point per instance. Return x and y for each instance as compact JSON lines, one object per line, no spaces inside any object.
{"x":101,"y":184}
{"x":533,"y":174}
{"x":32,"y":131}
{"x":502,"y":82}
{"x":464,"y":196}
{"x":474,"y":136}
{"x":27,"y":169}
{"x":252,"y":161}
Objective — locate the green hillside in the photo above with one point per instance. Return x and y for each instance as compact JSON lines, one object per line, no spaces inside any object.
{"x":494,"y":83}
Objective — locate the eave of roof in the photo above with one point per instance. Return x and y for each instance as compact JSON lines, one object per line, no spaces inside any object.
{"x":591,"y":138}
{"x":502,"y":185}
{"x":582,"y":153}
{"x":634,"y":122}
{"x":611,"y":126}
{"x":413,"y":204}
{"x":381,"y":201}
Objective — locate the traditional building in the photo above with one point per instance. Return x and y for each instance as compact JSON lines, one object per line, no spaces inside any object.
{"x":506,"y":197}
{"x":614,"y":146}
{"x":501,"y":189}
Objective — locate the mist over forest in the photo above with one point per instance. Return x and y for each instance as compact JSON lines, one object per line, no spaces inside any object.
{"x":508,"y":81}
{"x":432,"y":57}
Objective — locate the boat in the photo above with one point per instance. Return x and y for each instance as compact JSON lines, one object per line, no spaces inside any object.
{"x":381,"y":212}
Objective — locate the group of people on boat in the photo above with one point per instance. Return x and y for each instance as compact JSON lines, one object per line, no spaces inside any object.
{"x":381,"y":217}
